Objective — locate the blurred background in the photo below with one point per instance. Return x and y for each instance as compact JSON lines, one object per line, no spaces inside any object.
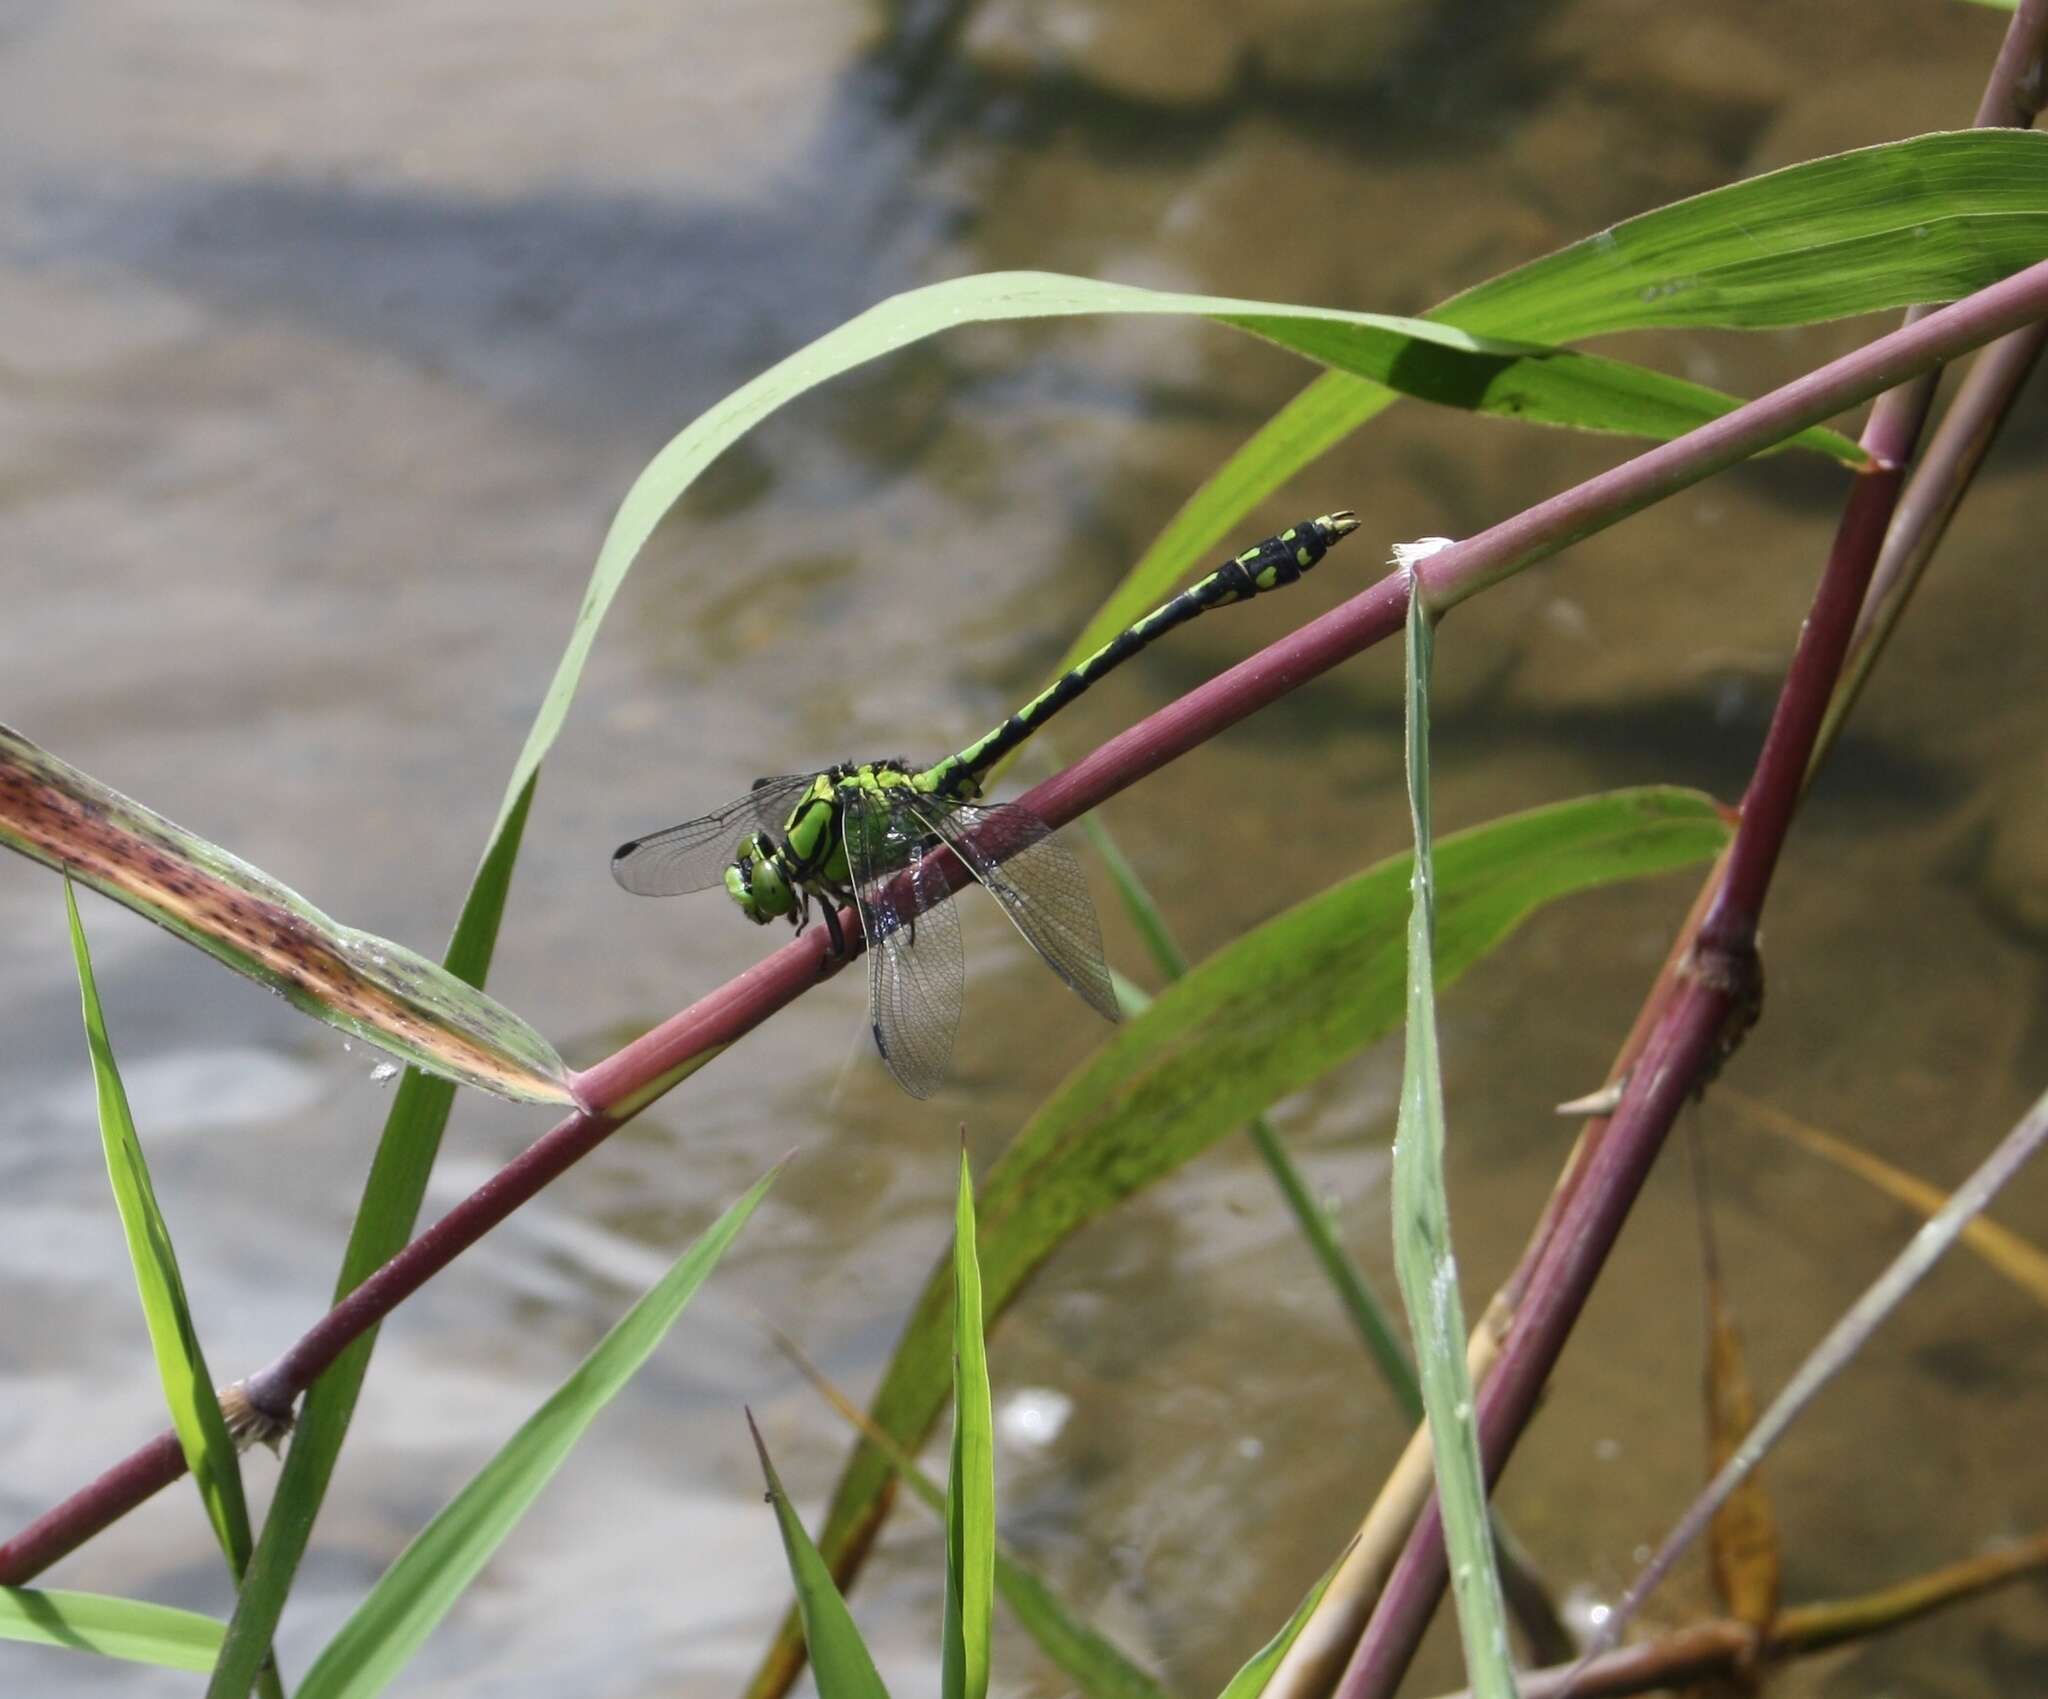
{"x":329,"y":339}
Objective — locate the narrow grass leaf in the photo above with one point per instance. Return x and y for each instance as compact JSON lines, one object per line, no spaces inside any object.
{"x":839,"y":1657}
{"x":1834,"y":1353}
{"x":180,"y":1363}
{"x":130,"y":1629}
{"x":1929,"y":219}
{"x":384,"y":1221}
{"x":366,"y":986}
{"x":1250,"y":1681}
{"x":2018,"y":1259}
{"x":1097,"y":1667}
{"x":971,"y":1487}
{"x":1423,"y":1259}
{"x":1267,"y":1015}
{"x":438,"y":1566}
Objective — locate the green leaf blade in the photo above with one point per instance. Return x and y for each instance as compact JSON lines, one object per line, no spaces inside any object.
{"x":173,"y":1338}
{"x":427,"y":1578}
{"x":1250,"y":1681}
{"x":132,"y":1630}
{"x":1534,"y":384}
{"x":971,"y":1487}
{"x":1423,"y":1259}
{"x":839,"y":1657}
{"x":1928,"y":219}
{"x":365,"y":986}
{"x":384,"y":1222}
{"x":1248,"y":1026}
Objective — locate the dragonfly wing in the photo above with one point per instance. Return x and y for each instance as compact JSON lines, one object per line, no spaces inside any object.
{"x":695,"y":855}
{"x":916,"y":972}
{"x":1040,"y":885}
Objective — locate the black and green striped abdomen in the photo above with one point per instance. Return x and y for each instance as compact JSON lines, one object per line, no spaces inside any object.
{"x":1270,"y":565}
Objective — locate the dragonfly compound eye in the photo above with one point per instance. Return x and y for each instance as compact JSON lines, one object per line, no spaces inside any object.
{"x":754,"y":881}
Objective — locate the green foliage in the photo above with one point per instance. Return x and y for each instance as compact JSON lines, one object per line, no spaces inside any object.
{"x":1263,"y":1017}
{"x":180,"y":1363}
{"x":1922,"y":220}
{"x":438,"y":1566}
{"x":1930,"y":219}
{"x":1250,"y":1681}
{"x":1423,"y":1259}
{"x":384,"y":1221}
{"x":364,"y":985}
{"x":839,"y":1657}
{"x":971,"y":1484}
{"x":130,"y":1629}
{"x":1368,"y":1316}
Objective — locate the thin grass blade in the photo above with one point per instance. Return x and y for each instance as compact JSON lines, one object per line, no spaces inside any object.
{"x":437,"y":1567}
{"x":1097,"y":1666}
{"x":839,"y":1657}
{"x":130,"y":1629}
{"x":1265,"y":1016}
{"x":1744,"y":1552}
{"x":971,"y":1486}
{"x":384,"y":1221}
{"x":1250,"y":1681}
{"x":174,"y":1339}
{"x":1743,"y":1549}
{"x":366,"y":986}
{"x":1423,"y":1258}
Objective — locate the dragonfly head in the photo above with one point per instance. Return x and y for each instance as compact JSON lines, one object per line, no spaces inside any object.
{"x":755,"y":881}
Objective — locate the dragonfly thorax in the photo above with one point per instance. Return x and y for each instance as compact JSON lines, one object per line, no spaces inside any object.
{"x":771,"y":876}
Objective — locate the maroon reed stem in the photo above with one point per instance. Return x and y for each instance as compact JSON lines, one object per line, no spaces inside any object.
{"x":1562,"y":1264}
{"x":619,"y":1087}
{"x":1710,"y":1004}
{"x":1774,"y":789}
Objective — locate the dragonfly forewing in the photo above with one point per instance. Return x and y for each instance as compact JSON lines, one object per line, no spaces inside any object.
{"x":695,"y":855}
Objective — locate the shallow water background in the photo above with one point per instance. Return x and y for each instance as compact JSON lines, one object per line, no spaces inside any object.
{"x":328,"y":340}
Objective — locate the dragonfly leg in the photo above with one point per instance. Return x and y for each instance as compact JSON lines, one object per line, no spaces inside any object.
{"x":830,"y":910}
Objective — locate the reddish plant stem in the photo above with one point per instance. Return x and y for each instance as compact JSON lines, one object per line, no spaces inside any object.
{"x":1711,"y":1002}
{"x":1681,"y":1046}
{"x":1592,"y":1200}
{"x":2015,"y":93}
{"x":619,"y":1087}
{"x":1774,"y":789}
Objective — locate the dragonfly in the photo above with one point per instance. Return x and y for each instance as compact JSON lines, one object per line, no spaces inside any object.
{"x":883,"y":837}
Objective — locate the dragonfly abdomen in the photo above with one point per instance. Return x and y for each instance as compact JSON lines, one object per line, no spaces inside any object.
{"x":1269,"y":565}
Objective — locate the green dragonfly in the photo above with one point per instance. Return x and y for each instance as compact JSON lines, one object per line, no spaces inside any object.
{"x":883,"y":836}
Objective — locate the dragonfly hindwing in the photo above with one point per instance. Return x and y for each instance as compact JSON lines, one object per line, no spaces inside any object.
{"x":917,"y":975}
{"x":1040,"y":885}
